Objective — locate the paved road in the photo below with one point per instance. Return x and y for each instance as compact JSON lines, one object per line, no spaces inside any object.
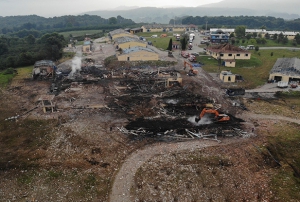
{"x":271,"y":48}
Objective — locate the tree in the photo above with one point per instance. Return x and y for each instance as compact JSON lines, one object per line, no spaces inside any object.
{"x":263,"y":41}
{"x":240,"y":31}
{"x":3,"y":48}
{"x":112,"y":21}
{"x":254,"y":34}
{"x":170,"y":45}
{"x":297,"y":38}
{"x":285,"y":40}
{"x":30,"y":39}
{"x":275,"y":36}
{"x":280,"y":37}
{"x":232,"y":41}
{"x":267,"y":35}
{"x":248,"y":36}
{"x":183,"y":42}
{"x":256,"y":48}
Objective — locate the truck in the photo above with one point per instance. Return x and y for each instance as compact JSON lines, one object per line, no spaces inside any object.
{"x":282,"y":84}
{"x":177,"y":37}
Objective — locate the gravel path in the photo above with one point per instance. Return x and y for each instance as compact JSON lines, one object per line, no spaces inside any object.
{"x":124,"y":180}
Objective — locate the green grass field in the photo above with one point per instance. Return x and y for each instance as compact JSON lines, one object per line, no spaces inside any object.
{"x":23,"y":72}
{"x":5,"y":79}
{"x":270,"y":43}
{"x":79,"y":33}
{"x":255,"y":71}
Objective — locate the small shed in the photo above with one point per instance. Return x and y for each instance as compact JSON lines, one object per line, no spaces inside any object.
{"x":229,"y":63}
{"x":227,"y":76}
{"x":87,"y":46}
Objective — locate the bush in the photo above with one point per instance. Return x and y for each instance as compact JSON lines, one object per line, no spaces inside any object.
{"x":9,"y":71}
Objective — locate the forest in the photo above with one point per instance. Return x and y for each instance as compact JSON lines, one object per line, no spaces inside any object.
{"x":12,"y":24}
{"x":251,"y":22}
{"x":26,"y":39}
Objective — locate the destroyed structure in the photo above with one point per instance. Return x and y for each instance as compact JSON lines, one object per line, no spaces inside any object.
{"x":154,"y":100}
{"x":43,"y":69}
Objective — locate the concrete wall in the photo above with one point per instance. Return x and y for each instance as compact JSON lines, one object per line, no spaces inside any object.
{"x":228,"y":78}
{"x":122,"y":35}
{"x":138,"y":56}
{"x":284,"y":78}
{"x":229,"y":64}
{"x":236,"y":56}
{"x":131,"y":44}
{"x":86,"y":48}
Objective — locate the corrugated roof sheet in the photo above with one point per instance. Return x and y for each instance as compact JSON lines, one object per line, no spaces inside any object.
{"x":136,"y":49}
{"x":287,"y":66}
{"x":125,"y":39}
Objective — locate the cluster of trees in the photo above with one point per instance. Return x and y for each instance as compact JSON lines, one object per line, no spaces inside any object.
{"x":252,"y":22}
{"x":26,"y":39}
{"x":15,"y":51}
{"x":13,"y":24}
{"x":279,"y":38}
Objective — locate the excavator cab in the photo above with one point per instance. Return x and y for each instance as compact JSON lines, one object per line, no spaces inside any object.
{"x":218,"y":117}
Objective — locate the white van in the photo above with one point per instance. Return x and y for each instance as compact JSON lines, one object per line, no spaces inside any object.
{"x":154,"y":36}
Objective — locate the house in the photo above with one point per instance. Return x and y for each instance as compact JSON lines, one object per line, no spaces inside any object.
{"x":227,"y":76}
{"x":137,"y":54}
{"x":165,"y":28}
{"x":286,"y":70}
{"x":128,"y":42}
{"x":228,"y":52}
{"x":219,"y":36}
{"x":228,"y":63}
{"x":87,"y":46}
{"x":290,"y":35}
{"x":135,"y":30}
{"x":120,"y":33}
{"x":224,"y":30}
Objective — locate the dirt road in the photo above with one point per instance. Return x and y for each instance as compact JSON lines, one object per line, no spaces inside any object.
{"x":124,"y":180}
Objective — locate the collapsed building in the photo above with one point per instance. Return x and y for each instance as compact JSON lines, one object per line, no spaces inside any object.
{"x":43,"y":69}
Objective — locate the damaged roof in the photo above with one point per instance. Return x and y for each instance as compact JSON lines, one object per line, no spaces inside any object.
{"x":117,"y":31}
{"x":287,"y":66}
{"x":136,"y":49}
{"x":157,"y":26}
{"x":226,"y":48}
{"x":40,"y":63}
{"x":126,"y":39}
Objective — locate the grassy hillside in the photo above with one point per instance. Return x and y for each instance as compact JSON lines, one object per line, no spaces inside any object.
{"x":255,"y":71}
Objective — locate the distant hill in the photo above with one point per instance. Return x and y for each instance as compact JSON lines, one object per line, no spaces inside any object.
{"x":289,"y":7}
{"x":224,"y":8}
{"x":16,"y":23}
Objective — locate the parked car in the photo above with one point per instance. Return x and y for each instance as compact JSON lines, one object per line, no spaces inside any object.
{"x":154,"y":36}
{"x":195,"y":54}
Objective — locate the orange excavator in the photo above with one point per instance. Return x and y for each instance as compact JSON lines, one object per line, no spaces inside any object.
{"x":192,"y":71}
{"x":218,"y":117}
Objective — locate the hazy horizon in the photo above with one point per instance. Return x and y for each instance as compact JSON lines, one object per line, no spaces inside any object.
{"x":67,"y":7}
